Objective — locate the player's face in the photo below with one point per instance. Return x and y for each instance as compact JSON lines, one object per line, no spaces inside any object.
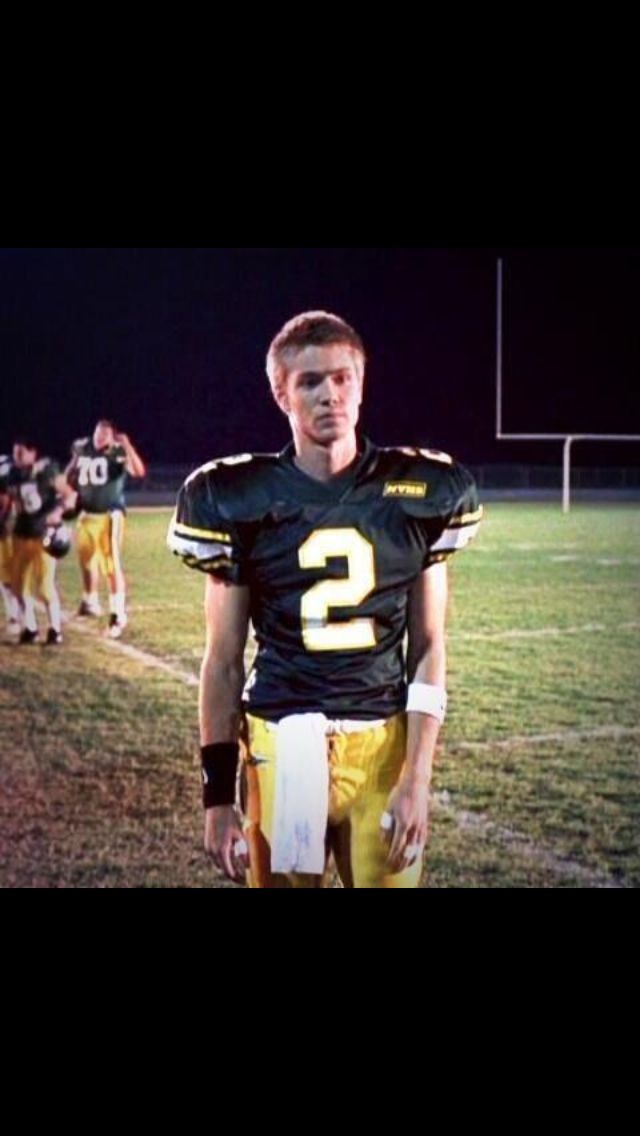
{"x":102,"y":436}
{"x":23,"y":457}
{"x":322,"y":392}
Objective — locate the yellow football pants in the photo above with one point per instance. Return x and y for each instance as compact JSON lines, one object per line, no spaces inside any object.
{"x":363,"y":768}
{"x":33,"y":571}
{"x":99,"y":539}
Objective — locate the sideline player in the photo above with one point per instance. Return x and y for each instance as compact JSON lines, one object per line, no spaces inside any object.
{"x":98,"y":470}
{"x":40,"y":492}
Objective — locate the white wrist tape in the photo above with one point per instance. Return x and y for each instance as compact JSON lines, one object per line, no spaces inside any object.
{"x":425,"y":698}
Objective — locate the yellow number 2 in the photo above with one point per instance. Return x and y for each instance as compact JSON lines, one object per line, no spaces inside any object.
{"x":317,"y":632}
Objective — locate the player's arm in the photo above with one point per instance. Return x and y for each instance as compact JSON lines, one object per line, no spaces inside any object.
{"x":134,"y":464}
{"x":71,"y":474}
{"x":71,"y":469}
{"x":5,"y":506}
{"x":221,"y":683}
{"x":66,"y":498}
{"x":408,"y":802}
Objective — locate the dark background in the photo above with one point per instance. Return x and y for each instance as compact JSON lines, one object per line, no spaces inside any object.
{"x":170,"y":344}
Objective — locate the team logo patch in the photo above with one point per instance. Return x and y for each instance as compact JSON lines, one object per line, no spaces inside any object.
{"x":405,"y":489}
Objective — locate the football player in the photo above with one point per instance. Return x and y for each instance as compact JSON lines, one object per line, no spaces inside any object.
{"x":336,"y":551}
{"x":98,"y":469}
{"x":11,"y":605}
{"x":41,"y":493}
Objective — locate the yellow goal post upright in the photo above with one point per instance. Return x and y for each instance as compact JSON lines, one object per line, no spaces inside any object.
{"x":566,"y":439}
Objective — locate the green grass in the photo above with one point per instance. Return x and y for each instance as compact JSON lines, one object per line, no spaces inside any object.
{"x":98,"y":776}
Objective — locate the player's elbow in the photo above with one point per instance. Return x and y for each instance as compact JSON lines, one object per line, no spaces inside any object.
{"x":223,"y":666}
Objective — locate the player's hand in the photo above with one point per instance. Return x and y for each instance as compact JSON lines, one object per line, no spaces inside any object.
{"x":71,"y":506}
{"x":55,"y":516}
{"x":121,"y":439}
{"x":225,"y":843}
{"x":404,"y":823}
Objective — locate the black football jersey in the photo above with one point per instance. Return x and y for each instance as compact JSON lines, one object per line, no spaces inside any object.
{"x":35,"y":496}
{"x":329,"y":566}
{"x":6,"y":465}
{"x":99,"y":476}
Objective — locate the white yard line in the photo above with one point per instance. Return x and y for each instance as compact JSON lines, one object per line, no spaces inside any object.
{"x":546,"y":632}
{"x":135,"y":653}
{"x":149,"y":660}
{"x":559,"y":737}
{"x":189,"y":678}
{"x":474,"y":823}
{"x":480,"y":825}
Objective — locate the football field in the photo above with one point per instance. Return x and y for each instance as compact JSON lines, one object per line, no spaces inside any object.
{"x":537,"y":779}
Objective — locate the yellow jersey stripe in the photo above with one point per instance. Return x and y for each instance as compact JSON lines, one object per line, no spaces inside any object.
{"x":466,"y":519}
{"x":206,"y":534}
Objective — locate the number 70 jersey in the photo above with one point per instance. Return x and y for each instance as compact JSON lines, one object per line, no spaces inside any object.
{"x":329,"y":566}
{"x":99,"y":476}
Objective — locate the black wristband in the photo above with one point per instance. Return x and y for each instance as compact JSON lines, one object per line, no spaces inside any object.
{"x":219,"y":768}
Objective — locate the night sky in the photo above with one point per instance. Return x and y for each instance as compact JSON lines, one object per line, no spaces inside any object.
{"x":170,"y":344}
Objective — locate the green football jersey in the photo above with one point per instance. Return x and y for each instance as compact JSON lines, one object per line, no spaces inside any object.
{"x":6,"y":465}
{"x":35,"y":495}
{"x":99,"y":476}
{"x":329,"y":566}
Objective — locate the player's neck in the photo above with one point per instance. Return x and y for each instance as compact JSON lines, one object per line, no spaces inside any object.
{"x":324,"y":462}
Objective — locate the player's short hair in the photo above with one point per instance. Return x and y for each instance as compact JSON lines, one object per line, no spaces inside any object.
{"x":309,"y":329}
{"x":105,"y":422}
{"x":27,"y":442}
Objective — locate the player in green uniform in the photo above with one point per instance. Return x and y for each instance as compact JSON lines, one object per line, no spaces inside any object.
{"x":98,"y":470}
{"x":336,"y":551}
{"x":40,"y":493}
{"x":10,"y":601}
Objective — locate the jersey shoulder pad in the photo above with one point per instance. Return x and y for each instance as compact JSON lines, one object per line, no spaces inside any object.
{"x":440,"y":457}
{"x":46,"y":467}
{"x":216,"y":464}
{"x":215,"y":507}
{"x":243,"y":485}
{"x":424,"y":480}
{"x":439,"y":494}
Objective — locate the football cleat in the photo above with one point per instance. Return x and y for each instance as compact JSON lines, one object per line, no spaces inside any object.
{"x":89,"y":609}
{"x":54,"y":638}
{"x":116,"y":626}
{"x":28,"y":636}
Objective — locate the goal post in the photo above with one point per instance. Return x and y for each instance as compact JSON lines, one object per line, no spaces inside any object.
{"x":567,"y":438}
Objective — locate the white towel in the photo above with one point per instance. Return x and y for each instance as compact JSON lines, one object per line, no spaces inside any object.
{"x":301,"y":804}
